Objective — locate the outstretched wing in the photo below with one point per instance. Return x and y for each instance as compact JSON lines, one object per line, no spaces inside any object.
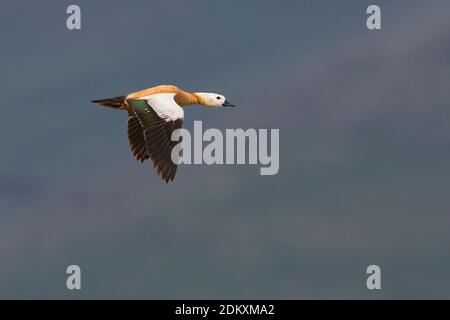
{"x":159,"y":115}
{"x":136,"y":138}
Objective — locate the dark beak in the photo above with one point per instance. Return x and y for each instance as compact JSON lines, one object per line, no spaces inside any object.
{"x":228,"y":104}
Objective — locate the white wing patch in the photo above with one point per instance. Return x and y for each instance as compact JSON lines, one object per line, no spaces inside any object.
{"x":165,"y":106}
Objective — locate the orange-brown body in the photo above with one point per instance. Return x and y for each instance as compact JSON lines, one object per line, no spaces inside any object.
{"x":183,"y":98}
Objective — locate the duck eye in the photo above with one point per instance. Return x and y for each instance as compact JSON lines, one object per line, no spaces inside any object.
{"x":218,"y":98}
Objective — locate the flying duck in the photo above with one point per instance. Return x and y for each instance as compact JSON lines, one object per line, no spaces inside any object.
{"x":153,"y":114}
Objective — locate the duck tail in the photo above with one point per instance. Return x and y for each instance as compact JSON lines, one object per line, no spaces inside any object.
{"x":116,"y":102}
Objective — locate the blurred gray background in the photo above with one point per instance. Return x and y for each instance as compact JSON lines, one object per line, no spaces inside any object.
{"x":364,"y":176}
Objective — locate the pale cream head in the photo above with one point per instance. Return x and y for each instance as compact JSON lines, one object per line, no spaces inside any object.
{"x":213,"y":100}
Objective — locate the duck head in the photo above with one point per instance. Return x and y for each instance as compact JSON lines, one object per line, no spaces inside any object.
{"x":213,"y":100}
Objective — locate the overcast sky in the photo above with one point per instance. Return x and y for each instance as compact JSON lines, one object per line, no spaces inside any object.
{"x":364,"y":119}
